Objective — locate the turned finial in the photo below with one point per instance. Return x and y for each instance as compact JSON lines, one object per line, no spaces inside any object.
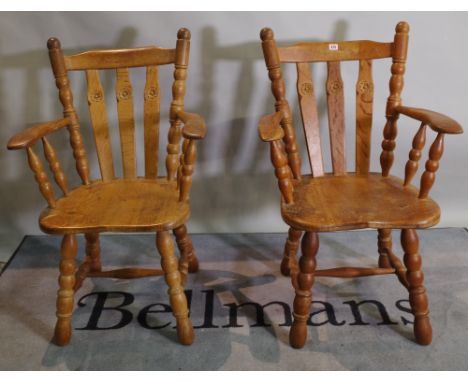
{"x":183,"y":34}
{"x":53,"y":43}
{"x":266,"y":34}
{"x":402,"y":27}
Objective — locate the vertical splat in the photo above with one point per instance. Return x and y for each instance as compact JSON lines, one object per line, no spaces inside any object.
{"x":124,"y":95}
{"x":309,"y":114}
{"x":364,"y":104}
{"x":98,"y":112}
{"x":336,"y":124}
{"x":151,"y":122}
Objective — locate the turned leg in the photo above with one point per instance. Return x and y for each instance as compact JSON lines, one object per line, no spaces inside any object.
{"x":65,"y":293}
{"x":303,"y":299}
{"x":290,"y":250}
{"x":176,"y":291}
{"x":188,"y":261}
{"x":417,"y":292}
{"x":384,"y":245}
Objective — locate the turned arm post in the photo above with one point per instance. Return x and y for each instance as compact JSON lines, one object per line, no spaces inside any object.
{"x":282,"y":170}
{"x":273,"y":62}
{"x":432,"y":164}
{"x":400,"y":47}
{"x":57,"y":61}
{"x":177,"y":104}
{"x":187,"y":161}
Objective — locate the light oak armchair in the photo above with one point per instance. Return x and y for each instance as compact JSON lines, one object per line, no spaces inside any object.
{"x":342,"y":200}
{"x":152,"y":203}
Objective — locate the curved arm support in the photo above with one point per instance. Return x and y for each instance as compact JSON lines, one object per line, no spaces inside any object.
{"x":194,"y":125}
{"x":269,"y":127}
{"x":31,"y":135}
{"x":440,"y":123}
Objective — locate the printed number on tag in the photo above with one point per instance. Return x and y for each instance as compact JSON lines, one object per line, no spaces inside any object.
{"x":332,"y":46}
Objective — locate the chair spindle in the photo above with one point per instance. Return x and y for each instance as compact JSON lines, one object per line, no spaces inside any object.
{"x":432,"y":164}
{"x":282,"y":170}
{"x":41,"y":177}
{"x":411,"y":167}
{"x":54,"y":165}
{"x":189,"y":156}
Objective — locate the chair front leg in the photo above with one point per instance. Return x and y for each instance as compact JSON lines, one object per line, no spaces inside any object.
{"x":417,"y":293}
{"x":305,"y":281}
{"x":384,"y":245}
{"x":188,"y":261}
{"x":65,"y":293}
{"x":290,"y":251}
{"x":176,"y":291}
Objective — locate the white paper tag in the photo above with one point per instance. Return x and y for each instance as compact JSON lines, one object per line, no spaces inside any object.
{"x":332,"y":46}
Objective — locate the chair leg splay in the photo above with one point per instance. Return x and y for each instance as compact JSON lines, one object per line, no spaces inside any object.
{"x":173,"y":278}
{"x":305,"y":281}
{"x":188,"y":261}
{"x":384,"y":246}
{"x":290,"y":251}
{"x":93,"y":251}
{"x":417,"y":293}
{"x":66,"y":292}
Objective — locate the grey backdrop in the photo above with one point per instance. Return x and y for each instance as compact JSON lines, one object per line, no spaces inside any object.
{"x":234,"y":188}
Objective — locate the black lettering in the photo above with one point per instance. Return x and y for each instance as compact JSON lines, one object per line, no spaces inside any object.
{"x":260,"y":314}
{"x":99,"y":307}
{"x":357,"y":313}
{"x":142,"y":316}
{"x":400,"y":304}
{"x":329,"y":310}
{"x":208,"y":314}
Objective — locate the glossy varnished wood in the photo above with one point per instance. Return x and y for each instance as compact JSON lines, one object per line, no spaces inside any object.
{"x":149,"y":203}
{"x":100,"y":124}
{"x":142,"y":205}
{"x":336,"y":113}
{"x":120,"y":58}
{"x":309,"y":114}
{"x":335,"y":51}
{"x":343,"y":200}
{"x":333,"y":203}
{"x":151,"y":121}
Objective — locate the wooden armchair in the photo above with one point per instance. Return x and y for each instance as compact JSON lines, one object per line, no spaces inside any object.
{"x":144,"y":204}
{"x":344,"y":200}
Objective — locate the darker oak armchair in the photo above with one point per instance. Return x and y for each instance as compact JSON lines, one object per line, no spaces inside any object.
{"x":152,"y":203}
{"x":322,"y":202}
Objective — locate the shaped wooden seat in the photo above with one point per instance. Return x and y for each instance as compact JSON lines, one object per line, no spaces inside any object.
{"x":349,"y":200}
{"x":149,"y":203}
{"x":352,"y":201}
{"x":142,"y":205}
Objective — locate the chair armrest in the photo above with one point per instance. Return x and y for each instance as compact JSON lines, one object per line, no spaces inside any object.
{"x":269,"y":127}
{"x":31,"y":135}
{"x":436,"y":121}
{"x":194,"y":125}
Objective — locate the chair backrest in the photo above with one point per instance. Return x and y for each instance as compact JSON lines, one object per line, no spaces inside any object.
{"x":121,"y":61}
{"x":302,"y":54}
